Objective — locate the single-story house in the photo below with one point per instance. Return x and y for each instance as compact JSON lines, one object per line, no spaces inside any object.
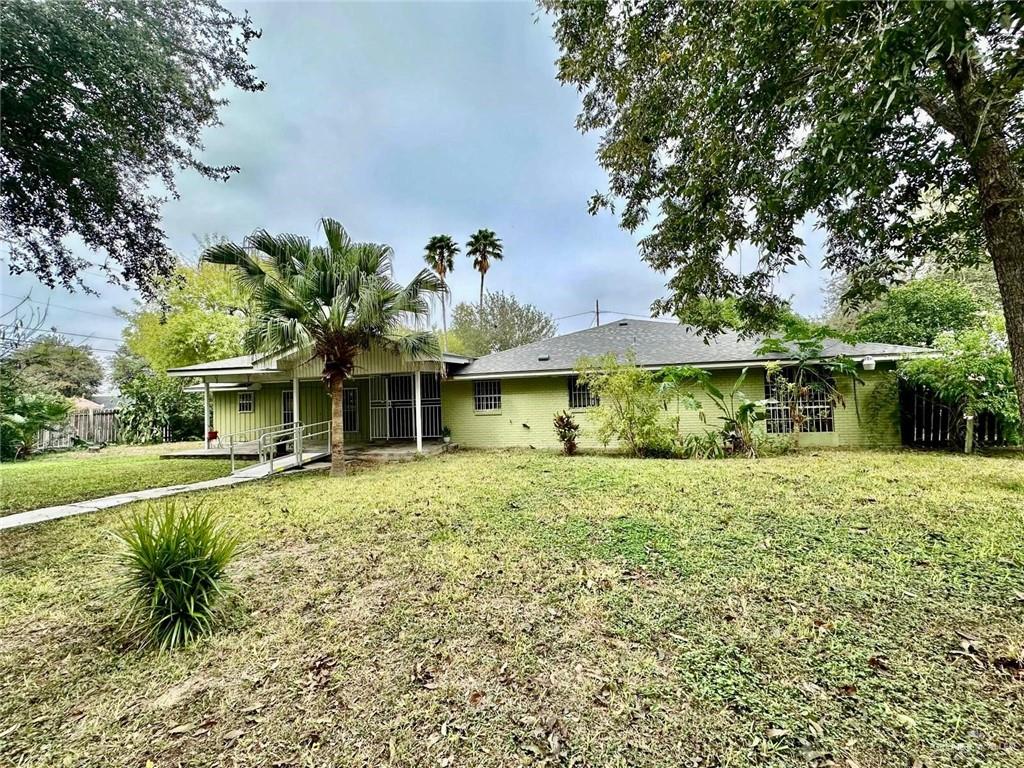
{"x":509,"y":398}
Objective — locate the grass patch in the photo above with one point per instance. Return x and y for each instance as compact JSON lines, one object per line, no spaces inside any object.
{"x":496,"y":609}
{"x":62,"y":478}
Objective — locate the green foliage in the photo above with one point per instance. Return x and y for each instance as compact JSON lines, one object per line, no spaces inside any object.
{"x":501,"y":322}
{"x":198,"y":315}
{"x":917,"y":312}
{"x":23,"y":415}
{"x":334,"y":300}
{"x":702,"y":445}
{"x":973,"y":373}
{"x":809,"y":373}
{"x":174,"y":564}
{"x":567,"y":430}
{"x":53,"y":364}
{"x":483,"y":247}
{"x":153,"y":405}
{"x":738,"y":435}
{"x":632,"y":405}
{"x":100,"y":99}
{"x":896,"y":127}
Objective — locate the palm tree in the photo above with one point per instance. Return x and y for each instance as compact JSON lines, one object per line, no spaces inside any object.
{"x":440,"y":257}
{"x":483,"y":246}
{"x":337,"y":300}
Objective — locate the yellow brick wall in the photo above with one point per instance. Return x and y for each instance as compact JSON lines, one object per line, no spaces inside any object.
{"x":529,"y":406}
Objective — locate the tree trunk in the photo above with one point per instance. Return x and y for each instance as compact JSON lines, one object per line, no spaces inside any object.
{"x":444,"y":326}
{"x":1002,"y":199}
{"x":482,"y":273}
{"x":337,"y":385}
{"x":1000,"y":194}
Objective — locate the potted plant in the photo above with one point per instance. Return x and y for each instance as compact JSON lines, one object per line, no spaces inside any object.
{"x":211,"y":435}
{"x":446,"y":435}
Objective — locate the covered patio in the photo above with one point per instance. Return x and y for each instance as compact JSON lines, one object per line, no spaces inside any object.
{"x":253,"y":403}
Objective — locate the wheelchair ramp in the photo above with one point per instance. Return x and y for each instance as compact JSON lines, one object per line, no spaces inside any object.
{"x":280,"y":464}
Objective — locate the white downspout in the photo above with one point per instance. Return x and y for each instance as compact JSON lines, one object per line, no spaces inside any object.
{"x":419,"y":413}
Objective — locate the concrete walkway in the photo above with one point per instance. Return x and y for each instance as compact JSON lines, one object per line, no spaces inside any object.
{"x":82,"y":507}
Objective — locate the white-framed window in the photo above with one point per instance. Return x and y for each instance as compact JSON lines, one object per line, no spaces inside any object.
{"x":580,"y":395}
{"x":816,"y":406}
{"x":350,"y":409}
{"x":246,"y":401}
{"x":487,"y":395}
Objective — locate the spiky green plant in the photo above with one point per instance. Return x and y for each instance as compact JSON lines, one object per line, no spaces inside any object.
{"x":174,"y":573}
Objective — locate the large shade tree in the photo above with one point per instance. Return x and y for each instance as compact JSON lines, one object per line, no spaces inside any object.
{"x":440,"y":256}
{"x":483,"y":248}
{"x":335,"y":300}
{"x":103,"y":100}
{"x":897,"y":127}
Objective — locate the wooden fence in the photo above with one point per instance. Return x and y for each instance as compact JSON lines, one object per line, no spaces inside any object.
{"x":927,"y":422}
{"x":82,"y":426}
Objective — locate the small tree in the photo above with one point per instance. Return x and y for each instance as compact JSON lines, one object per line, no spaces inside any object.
{"x":631,"y":404}
{"x":810,"y":373}
{"x":567,"y":430}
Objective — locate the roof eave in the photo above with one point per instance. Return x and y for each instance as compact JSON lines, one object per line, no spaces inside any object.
{"x":760,"y":363}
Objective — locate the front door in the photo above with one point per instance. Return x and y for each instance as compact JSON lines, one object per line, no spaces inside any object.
{"x":401,"y":409}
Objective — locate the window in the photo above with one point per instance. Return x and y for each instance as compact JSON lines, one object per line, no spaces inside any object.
{"x":245,"y":402}
{"x":487,"y":395}
{"x":579,"y":394}
{"x":350,"y":409}
{"x":816,"y":406}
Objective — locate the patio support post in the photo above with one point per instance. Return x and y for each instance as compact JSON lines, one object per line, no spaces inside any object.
{"x":206,"y":413}
{"x":419,"y":412}
{"x":296,"y":421}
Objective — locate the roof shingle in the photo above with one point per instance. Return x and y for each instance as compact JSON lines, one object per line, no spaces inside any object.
{"x":654,"y":343}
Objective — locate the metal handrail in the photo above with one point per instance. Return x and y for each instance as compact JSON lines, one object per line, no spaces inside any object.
{"x":258,"y":434}
{"x":255,"y":433}
{"x":296,"y":435}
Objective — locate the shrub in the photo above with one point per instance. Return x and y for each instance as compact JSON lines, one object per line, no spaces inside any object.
{"x":174,"y":573}
{"x":632,"y":404}
{"x":703,"y":445}
{"x":567,"y":430}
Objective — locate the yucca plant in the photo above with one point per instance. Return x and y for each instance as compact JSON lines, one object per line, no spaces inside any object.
{"x":174,"y":566}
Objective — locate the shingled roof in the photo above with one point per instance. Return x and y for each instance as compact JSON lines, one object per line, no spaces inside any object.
{"x":655,"y":344}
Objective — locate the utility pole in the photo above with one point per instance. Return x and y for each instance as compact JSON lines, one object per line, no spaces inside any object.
{"x":597,"y":312}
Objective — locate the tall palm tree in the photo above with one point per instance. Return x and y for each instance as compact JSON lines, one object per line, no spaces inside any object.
{"x":440,"y":257}
{"x":336,"y":300}
{"x":482,"y":247}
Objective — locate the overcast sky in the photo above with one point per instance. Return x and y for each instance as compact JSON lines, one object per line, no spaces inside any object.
{"x":404,"y":121}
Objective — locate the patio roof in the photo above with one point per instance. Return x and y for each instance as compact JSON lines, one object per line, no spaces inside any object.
{"x":262,"y":364}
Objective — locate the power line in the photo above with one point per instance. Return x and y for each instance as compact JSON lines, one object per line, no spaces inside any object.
{"x":70,"y":333}
{"x":58,"y":306}
{"x":30,"y":342}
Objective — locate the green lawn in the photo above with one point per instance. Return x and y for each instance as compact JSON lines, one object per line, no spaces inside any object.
{"x":60,"y":478}
{"x":501,"y":609}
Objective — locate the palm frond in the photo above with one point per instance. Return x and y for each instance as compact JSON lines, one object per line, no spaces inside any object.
{"x":284,"y":252}
{"x":338,"y":240}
